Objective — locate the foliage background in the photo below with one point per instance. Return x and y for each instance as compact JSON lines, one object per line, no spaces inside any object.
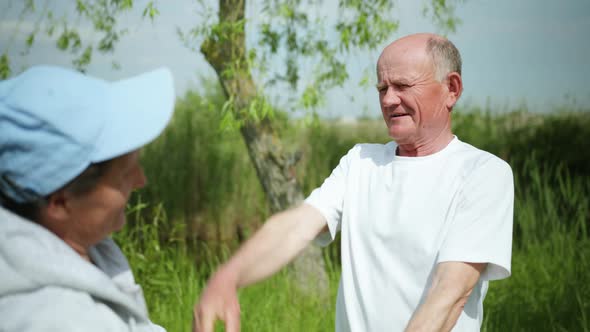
{"x":203,"y":199}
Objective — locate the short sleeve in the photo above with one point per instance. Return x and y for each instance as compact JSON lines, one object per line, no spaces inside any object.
{"x":481,"y":231}
{"x":329,"y":198}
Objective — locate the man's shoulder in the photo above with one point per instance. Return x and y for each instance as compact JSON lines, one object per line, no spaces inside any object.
{"x":473,"y":158}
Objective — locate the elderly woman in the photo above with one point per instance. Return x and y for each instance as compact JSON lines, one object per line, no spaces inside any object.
{"x":68,"y":163}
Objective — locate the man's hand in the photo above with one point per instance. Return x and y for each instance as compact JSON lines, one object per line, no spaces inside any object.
{"x":219,"y":300}
{"x":278,"y":242}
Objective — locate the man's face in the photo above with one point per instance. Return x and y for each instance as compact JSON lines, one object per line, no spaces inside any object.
{"x":413,"y":102}
{"x":98,"y":213}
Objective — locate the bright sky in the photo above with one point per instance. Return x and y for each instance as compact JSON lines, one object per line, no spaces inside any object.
{"x":528,"y":51}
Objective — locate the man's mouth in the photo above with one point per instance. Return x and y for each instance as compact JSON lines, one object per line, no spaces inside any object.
{"x":398,"y":115}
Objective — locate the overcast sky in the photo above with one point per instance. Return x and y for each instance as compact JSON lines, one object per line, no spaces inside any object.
{"x":529,"y":51}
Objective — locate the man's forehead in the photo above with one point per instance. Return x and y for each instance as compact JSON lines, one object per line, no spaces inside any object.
{"x":403,"y":63}
{"x":402,"y":71}
{"x":391,"y":74}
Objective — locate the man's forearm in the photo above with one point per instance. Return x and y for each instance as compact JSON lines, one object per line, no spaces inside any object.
{"x":452,"y":284}
{"x":439,"y":312}
{"x":278,"y":242}
{"x":281,"y":238}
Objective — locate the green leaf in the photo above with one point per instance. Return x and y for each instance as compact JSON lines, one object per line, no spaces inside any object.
{"x":75,"y":40}
{"x":126,"y":4}
{"x":83,"y":60}
{"x":30,"y":39}
{"x":63,"y":41}
{"x":81,"y":7}
{"x":4,"y":66}
{"x":227,"y":123}
{"x":151,"y":11}
{"x":252,"y":111}
{"x":310,"y":98}
{"x":442,"y":13}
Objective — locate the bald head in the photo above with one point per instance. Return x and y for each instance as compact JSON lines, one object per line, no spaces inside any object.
{"x":442,"y":53}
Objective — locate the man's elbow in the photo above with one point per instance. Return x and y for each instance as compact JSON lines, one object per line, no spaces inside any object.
{"x":456,"y":282}
{"x":462,"y":301}
{"x":450,"y":294}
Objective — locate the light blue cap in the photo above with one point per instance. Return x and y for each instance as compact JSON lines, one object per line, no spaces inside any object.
{"x":55,"y":122}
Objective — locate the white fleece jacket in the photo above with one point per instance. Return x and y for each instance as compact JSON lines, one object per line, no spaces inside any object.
{"x":46,"y":286}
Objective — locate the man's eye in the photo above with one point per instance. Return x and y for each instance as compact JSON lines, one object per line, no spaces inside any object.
{"x":381,"y":88}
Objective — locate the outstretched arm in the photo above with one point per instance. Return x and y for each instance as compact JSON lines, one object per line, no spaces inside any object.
{"x":451,"y":286}
{"x":278,"y":242}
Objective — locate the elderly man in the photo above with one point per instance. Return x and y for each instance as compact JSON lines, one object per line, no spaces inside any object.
{"x":425,"y":220}
{"x":68,"y":163}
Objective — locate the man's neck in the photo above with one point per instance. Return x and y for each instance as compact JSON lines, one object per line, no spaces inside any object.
{"x":426,"y":147}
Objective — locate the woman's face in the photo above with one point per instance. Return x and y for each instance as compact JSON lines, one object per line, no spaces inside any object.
{"x":94,"y":215}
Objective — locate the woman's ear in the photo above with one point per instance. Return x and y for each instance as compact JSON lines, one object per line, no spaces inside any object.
{"x":56,"y":207}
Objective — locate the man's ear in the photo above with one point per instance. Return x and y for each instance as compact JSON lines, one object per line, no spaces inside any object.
{"x":455,"y":86}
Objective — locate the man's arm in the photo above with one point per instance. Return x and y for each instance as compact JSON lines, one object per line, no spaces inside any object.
{"x":451,"y":286}
{"x":278,"y":242}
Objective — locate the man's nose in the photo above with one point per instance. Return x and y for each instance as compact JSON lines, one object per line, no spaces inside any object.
{"x":391,"y":97}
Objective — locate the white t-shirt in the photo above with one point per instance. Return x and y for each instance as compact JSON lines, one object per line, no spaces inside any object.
{"x":400,"y":216}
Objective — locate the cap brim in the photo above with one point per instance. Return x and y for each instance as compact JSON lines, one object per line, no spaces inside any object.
{"x":136,"y":111}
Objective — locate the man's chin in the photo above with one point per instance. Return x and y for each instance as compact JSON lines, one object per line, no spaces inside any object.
{"x":399,"y":131}
{"x":399,"y":136}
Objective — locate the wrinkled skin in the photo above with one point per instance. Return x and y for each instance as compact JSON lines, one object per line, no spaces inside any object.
{"x":416,"y":106}
{"x":84,"y":220}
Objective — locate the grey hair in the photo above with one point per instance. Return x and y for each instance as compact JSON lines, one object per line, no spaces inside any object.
{"x":445,"y":57}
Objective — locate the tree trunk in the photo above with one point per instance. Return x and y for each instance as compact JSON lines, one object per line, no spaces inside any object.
{"x":225,"y":50}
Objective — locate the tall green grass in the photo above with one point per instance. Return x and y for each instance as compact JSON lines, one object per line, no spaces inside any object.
{"x":549,"y":288}
{"x":203,"y":198}
{"x":172,"y":279}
